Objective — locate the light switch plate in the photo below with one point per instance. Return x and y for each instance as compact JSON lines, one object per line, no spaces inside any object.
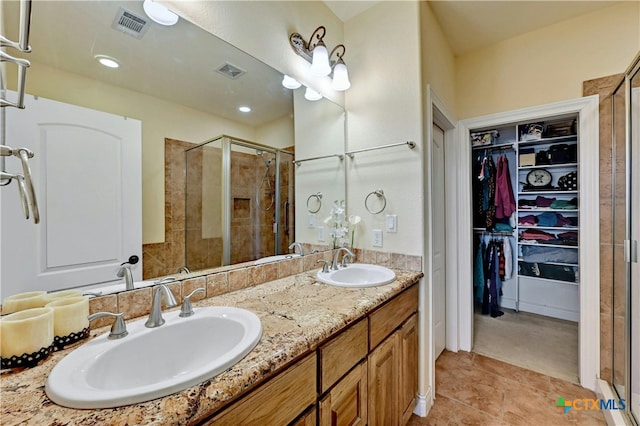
{"x":320,"y":230}
{"x":391,"y":223}
{"x":376,"y":235}
{"x":311,"y":220}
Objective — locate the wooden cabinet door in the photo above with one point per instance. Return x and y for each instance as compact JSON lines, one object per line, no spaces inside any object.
{"x":308,"y":419}
{"x":408,"y":377}
{"x":346,"y":403}
{"x":383,"y":383}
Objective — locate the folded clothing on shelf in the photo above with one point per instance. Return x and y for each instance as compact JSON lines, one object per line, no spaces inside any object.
{"x":571,"y":204}
{"x":549,"y":254}
{"x":547,"y":219}
{"x":551,"y":272}
{"x":536,"y":234}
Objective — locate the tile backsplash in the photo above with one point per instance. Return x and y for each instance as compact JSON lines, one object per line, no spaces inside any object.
{"x":136,"y":303}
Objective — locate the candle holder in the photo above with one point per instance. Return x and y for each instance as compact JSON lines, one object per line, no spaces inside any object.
{"x":26,"y":337}
{"x":70,"y":322}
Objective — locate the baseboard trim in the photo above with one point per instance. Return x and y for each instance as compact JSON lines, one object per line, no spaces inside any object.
{"x":423,"y":405}
{"x":613,"y":417}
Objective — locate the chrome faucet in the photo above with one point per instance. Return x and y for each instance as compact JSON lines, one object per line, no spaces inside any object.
{"x":184,"y":269}
{"x":334,"y":264}
{"x":125,"y":272}
{"x":296,"y":244}
{"x":155,"y":316}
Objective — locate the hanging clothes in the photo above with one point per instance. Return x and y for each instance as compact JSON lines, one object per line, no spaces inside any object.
{"x":479,"y":271}
{"x":508,"y":256}
{"x":505,"y":201}
{"x":489,"y":192}
{"x":493,"y":283}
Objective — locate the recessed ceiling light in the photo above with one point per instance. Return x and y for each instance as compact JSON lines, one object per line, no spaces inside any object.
{"x":244,"y":109}
{"x":159,"y":13}
{"x":107,"y":61}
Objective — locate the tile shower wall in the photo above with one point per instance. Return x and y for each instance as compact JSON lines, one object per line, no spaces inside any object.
{"x":204,"y":248}
{"x":604,"y":87}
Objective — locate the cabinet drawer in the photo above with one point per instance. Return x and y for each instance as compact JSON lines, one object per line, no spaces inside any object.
{"x":390,"y":316}
{"x":278,"y":401}
{"x":341,"y":353}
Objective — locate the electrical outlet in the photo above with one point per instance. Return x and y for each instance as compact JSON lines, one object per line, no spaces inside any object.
{"x":376,"y":235}
{"x":320,"y":230}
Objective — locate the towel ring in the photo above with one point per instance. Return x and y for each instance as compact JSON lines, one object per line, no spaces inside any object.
{"x":318,"y":199}
{"x":380,"y":194}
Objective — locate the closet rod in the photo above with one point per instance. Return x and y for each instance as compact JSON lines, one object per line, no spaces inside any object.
{"x":494,"y":147}
{"x":494,"y":234}
{"x":410,"y":144}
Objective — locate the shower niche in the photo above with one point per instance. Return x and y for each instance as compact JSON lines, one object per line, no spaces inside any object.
{"x":238,"y":202}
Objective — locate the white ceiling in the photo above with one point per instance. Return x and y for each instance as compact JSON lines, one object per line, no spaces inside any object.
{"x":469,"y":25}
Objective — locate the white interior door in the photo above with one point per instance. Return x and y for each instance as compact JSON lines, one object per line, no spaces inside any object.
{"x":87,"y":176}
{"x":438,"y":239}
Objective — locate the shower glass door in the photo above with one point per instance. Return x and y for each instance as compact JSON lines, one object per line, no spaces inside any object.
{"x":634,"y":284}
{"x":620,"y":270}
{"x":626,"y":233}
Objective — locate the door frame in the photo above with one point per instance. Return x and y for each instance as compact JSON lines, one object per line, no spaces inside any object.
{"x":436,"y":114}
{"x":458,"y":172}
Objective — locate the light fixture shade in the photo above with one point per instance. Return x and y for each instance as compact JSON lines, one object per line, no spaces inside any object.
{"x":159,"y":13}
{"x":320,"y":62}
{"x":340,"y":80}
{"x":290,"y":82}
{"x":312,"y":95}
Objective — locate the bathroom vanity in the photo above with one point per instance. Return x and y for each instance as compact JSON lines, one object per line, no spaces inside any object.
{"x":328,"y":355}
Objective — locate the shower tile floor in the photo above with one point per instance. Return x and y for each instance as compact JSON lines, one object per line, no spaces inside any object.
{"x":472,"y":389}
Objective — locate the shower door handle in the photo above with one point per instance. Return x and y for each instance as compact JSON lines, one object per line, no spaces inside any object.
{"x":286,"y":217}
{"x":631,"y":251}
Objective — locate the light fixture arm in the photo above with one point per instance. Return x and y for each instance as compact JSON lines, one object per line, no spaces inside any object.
{"x":338,"y":54}
{"x":304,"y":48}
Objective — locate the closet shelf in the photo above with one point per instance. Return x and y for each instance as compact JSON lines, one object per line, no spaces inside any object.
{"x":524,"y":243}
{"x":555,"y":228}
{"x":576,"y":283}
{"x":548,"y":166}
{"x":546,"y":192}
{"x":548,"y":263}
{"x":509,"y":145}
{"x":543,"y":141}
{"x":546,"y":209}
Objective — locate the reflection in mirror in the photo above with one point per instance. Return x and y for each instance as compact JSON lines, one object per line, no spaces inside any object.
{"x":169,"y":79}
{"x":320,"y":182}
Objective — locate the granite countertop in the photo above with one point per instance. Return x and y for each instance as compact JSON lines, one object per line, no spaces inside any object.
{"x":297,"y":314}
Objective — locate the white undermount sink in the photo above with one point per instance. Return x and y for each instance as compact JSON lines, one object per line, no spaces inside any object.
{"x":151,"y":363}
{"x":357,"y":275}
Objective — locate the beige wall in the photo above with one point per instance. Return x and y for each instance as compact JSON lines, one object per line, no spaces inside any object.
{"x":548,"y":64}
{"x":384,"y":107}
{"x":438,"y":60}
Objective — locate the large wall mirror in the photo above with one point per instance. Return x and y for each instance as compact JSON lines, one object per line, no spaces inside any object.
{"x":185,"y":86}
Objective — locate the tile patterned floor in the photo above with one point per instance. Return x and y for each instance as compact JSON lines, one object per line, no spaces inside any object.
{"x":472,"y":389}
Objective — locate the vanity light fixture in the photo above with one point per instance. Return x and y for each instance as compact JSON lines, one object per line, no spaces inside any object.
{"x":159,"y":13}
{"x":315,"y":52}
{"x":244,"y":108}
{"x":290,"y":82}
{"x":312,"y":95}
{"x":107,"y":61}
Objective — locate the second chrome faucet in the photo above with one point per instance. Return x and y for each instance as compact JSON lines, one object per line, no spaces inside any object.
{"x":160,"y":292}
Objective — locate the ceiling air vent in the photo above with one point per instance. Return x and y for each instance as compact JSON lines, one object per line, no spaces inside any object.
{"x":231,"y":71}
{"x":130,"y":23}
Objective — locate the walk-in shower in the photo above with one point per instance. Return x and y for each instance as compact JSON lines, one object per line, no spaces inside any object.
{"x":239,"y":202}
